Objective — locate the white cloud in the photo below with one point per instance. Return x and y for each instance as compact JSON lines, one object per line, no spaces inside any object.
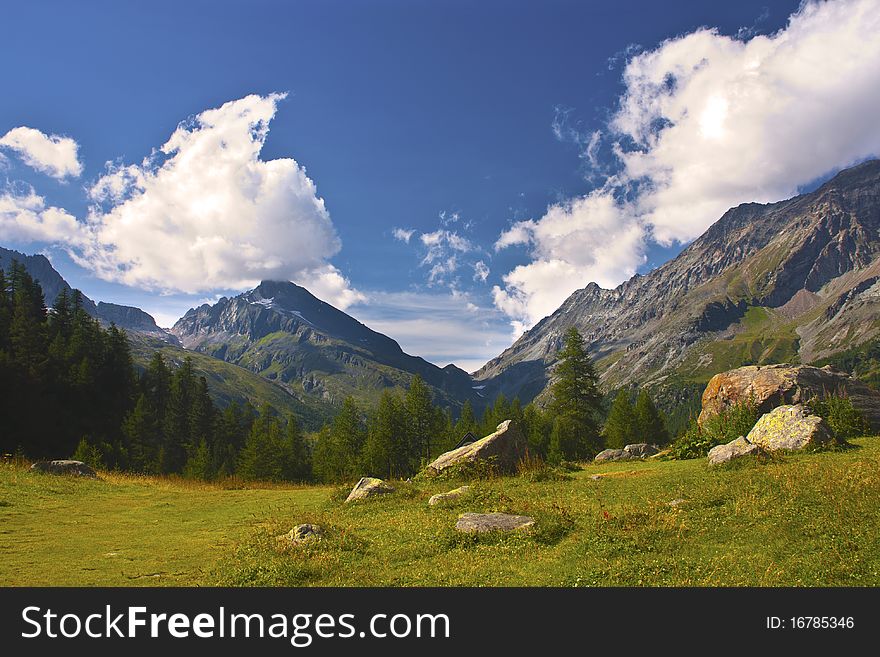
{"x":706,"y":122}
{"x":403,"y":234}
{"x":441,"y":327}
{"x":587,"y":239}
{"x":26,"y":218}
{"x":205,"y":213}
{"x":481,"y":271}
{"x":53,"y":155}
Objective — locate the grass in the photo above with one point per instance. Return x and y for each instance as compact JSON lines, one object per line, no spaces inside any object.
{"x":797,"y":520}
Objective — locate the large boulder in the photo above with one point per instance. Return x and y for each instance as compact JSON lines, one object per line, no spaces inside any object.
{"x":791,"y":428}
{"x":64,"y":467}
{"x":491,"y":522}
{"x":369,"y":487}
{"x":501,"y":451}
{"x":733,"y":450}
{"x":777,"y":385}
{"x":611,"y":454}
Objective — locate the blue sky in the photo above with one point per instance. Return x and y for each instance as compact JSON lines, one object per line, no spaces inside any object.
{"x":517,"y":145}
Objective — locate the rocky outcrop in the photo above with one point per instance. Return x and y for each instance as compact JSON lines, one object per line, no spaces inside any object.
{"x":632,"y":452}
{"x":790,"y":428}
{"x":451,"y":496}
{"x":500,"y":451}
{"x":368,"y":487}
{"x":770,"y":386}
{"x":733,"y":450}
{"x":491,"y":522}
{"x":64,"y":467}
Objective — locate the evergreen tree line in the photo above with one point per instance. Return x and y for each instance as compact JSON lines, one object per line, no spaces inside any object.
{"x":69,"y":387}
{"x":403,"y":432}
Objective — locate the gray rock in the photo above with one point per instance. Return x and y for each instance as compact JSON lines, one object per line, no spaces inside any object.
{"x":451,"y":496}
{"x":628,"y":453}
{"x":305,"y":532}
{"x":503,"y":450}
{"x":790,"y":428}
{"x":369,"y":487}
{"x":612,"y":455}
{"x":641,"y":450}
{"x":65,"y":467}
{"x":489,"y":522}
{"x":733,"y":450}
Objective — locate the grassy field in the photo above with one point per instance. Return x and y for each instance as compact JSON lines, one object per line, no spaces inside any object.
{"x":801,"y":520}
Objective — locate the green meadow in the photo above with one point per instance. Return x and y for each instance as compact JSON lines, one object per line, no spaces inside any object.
{"x":797,"y":520}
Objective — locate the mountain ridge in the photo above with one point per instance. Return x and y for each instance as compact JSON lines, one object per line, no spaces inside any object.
{"x":791,"y":258}
{"x":283,"y":332}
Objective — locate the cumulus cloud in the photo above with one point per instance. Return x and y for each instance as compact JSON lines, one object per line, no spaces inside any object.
{"x":481,"y":271}
{"x":587,"y":239}
{"x":53,"y":155}
{"x":204,"y":212}
{"x":24,"y":217}
{"x":708,"y":121}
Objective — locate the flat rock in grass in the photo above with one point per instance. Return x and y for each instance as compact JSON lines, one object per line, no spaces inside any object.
{"x":733,"y":450}
{"x":790,"y":428}
{"x":491,"y":522}
{"x":369,"y":487}
{"x":451,"y":496}
{"x":305,"y":532}
{"x":678,"y":501}
{"x":65,"y":467}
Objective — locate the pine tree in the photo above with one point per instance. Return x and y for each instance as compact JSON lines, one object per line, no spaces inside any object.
{"x":386,"y":452}
{"x":421,"y":418}
{"x":199,"y":463}
{"x":28,"y":329}
{"x":620,"y":426}
{"x":537,"y":427}
{"x":576,"y":399}
{"x":467,"y":421}
{"x":178,"y":437}
{"x":263,"y":455}
{"x":298,"y":462}
{"x":143,"y":437}
{"x":650,"y":426}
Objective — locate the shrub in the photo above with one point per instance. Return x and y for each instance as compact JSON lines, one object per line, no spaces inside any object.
{"x":731,"y":423}
{"x":844,"y":419}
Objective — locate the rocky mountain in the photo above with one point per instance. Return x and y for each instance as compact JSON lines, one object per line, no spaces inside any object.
{"x":42,"y":271}
{"x":794,"y":281}
{"x":133,"y":320}
{"x":282,"y":332}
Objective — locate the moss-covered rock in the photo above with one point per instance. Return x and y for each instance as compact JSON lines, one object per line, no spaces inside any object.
{"x":790,"y":428}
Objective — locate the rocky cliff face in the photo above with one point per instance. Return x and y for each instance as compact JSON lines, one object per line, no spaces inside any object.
{"x":284,"y":333}
{"x":790,"y":281}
